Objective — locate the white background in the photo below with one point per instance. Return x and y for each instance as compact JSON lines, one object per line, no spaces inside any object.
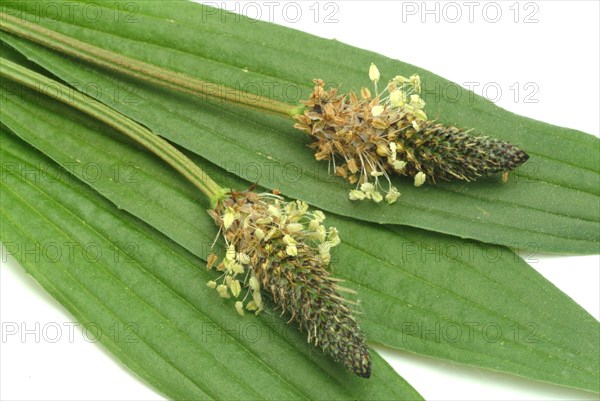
{"x":559,"y":54}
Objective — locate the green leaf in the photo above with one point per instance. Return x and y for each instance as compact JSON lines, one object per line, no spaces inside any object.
{"x":428,"y":293}
{"x":175,"y":333}
{"x":252,"y":55}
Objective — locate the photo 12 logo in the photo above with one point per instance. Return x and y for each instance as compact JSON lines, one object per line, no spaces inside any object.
{"x":70,"y":11}
{"x":55,"y":332}
{"x":453,"y":12}
{"x":68,"y":252}
{"x":495,"y":92}
{"x":273,"y":11}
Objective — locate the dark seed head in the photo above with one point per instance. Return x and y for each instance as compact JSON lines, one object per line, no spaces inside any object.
{"x":362,"y":142}
{"x":285,"y":251}
{"x":447,"y":153}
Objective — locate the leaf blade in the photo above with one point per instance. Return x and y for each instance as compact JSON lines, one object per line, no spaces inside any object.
{"x":407,"y":278}
{"x":160,"y":289}
{"x":563,"y":170}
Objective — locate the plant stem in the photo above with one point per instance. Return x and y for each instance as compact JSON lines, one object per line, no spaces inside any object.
{"x":116,"y":120}
{"x":139,"y":69}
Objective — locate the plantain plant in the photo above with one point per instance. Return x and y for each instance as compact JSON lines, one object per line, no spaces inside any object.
{"x":276,"y":247}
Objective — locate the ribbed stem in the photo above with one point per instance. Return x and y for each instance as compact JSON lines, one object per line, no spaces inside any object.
{"x":121,"y":123}
{"x":139,"y":69}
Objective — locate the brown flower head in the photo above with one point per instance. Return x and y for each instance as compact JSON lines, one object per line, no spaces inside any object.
{"x":366,"y":138}
{"x":282,"y":249}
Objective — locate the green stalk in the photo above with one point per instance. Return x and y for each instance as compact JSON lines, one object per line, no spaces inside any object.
{"x":116,"y":120}
{"x":139,"y":69}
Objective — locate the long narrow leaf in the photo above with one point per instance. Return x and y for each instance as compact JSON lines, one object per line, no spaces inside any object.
{"x":194,"y":40}
{"x":176,"y":334}
{"x":432,"y":294}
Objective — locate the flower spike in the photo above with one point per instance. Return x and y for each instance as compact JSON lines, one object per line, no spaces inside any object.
{"x":367,"y":139}
{"x":282,"y":249}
